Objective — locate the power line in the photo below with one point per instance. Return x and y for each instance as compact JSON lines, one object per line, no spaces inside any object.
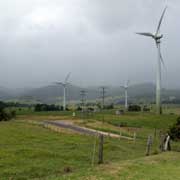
{"x":103,"y":95}
{"x":83,"y":94}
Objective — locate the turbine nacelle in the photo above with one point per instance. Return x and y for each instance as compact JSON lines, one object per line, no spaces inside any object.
{"x":126,"y":86}
{"x":158,"y":38}
{"x":61,"y":83}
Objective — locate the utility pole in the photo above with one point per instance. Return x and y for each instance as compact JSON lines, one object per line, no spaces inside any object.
{"x":83,"y":94}
{"x":100,"y":155}
{"x":103,"y":95}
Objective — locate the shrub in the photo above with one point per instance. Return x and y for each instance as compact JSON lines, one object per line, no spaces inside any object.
{"x":146,"y":109}
{"x":174,"y":131}
{"x":134,"y":108}
{"x":110,"y":106}
{"x":6,"y":115}
{"x":123,"y":124}
{"x":79,"y":108}
{"x":46,"y":107}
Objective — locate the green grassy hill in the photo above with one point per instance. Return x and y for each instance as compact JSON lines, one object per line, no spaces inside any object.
{"x":30,"y":151}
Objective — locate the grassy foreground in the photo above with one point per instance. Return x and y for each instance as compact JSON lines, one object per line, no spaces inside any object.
{"x":32,"y":152}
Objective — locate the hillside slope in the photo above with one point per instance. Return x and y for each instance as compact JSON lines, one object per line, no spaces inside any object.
{"x":53,"y":94}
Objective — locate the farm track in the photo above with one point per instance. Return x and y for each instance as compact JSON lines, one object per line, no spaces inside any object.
{"x":83,"y":130}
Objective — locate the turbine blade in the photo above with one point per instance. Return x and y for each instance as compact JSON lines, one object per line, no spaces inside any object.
{"x":160,"y":21}
{"x":67,"y":77}
{"x":145,"y":34}
{"x":59,"y":83}
{"x":160,"y":54}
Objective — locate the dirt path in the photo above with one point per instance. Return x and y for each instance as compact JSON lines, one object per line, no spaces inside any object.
{"x":83,"y":130}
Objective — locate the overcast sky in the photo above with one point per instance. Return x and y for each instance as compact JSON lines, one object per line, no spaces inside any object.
{"x":42,"y":40}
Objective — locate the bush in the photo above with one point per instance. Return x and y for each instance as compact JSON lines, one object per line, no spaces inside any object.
{"x":6,"y":115}
{"x":174,"y":131}
{"x":146,"y":109}
{"x":134,"y":108}
{"x":46,"y":107}
{"x":123,"y":124}
{"x":90,"y":109}
{"x":111,"y":106}
{"x":79,"y":108}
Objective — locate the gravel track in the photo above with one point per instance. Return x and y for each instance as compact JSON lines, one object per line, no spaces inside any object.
{"x":83,"y":130}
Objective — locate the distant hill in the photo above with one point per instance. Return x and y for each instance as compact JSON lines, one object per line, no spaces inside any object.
{"x":53,"y":94}
{"x":5,"y":94}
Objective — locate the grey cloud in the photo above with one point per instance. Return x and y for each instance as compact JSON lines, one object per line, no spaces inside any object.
{"x":42,"y":40}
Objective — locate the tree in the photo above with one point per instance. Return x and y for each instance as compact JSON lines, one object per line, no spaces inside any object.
{"x":134,"y":108}
{"x":46,"y":107}
{"x":6,"y":114}
{"x":174,"y":131}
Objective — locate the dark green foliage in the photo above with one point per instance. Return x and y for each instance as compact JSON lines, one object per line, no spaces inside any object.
{"x":175,"y":130}
{"x":111,"y":106}
{"x":90,"y":109}
{"x":146,"y":109}
{"x":98,"y":105}
{"x":67,"y":109}
{"x":16,"y":104}
{"x":46,"y":107}
{"x":79,"y":108}
{"x":123,"y":124}
{"x":6,"y":114}
{"x":2,"y":105}
{"x":134,"y":108}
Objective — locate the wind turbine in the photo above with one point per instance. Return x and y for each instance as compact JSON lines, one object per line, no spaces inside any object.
{"x":125,"y":87}
{"x":64,"y":85}
{"x":157,"y":38}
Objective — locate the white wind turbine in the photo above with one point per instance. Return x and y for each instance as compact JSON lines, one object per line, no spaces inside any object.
{"x":64,"y":85}
{"x":157,"y":38}
{"x":125,"y":87}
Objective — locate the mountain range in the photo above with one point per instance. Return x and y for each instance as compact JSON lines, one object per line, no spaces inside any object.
{"x":54,"y":94}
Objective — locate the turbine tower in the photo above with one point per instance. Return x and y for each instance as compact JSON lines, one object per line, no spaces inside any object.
{"x":64,"y":85}
{"x":125,"y":87}
{"x":157,"y":38}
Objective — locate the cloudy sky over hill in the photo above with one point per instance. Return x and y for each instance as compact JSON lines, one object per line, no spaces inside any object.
{"x":42,"y":40}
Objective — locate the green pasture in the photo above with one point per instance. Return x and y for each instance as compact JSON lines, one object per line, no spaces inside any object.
{"x":30,"y":151}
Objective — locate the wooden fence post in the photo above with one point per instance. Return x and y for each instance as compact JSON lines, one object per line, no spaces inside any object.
{"x":94,"y":150}
{"x":101,"y":142}
{"x":134,"y":136}
{"x":167,"y":145}
{"x":155,"y":132}
{"x":149,"y":144}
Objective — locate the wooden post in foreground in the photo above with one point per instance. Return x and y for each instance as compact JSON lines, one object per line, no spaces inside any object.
{"x":134,"y":136}
{"x":167,"y":145}
{"x":101,"y":142}
{"x":149,"y":144}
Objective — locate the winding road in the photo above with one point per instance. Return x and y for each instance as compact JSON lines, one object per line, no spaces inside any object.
{"x":83,"y":130}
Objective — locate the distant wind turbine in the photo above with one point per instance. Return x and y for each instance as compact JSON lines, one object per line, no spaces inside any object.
{"x":125,"y":87}
{"x":157,"y":38}
{"x":64,"y":85}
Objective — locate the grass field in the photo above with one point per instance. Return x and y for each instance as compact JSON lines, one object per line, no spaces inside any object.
{"x":30,"y":151}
